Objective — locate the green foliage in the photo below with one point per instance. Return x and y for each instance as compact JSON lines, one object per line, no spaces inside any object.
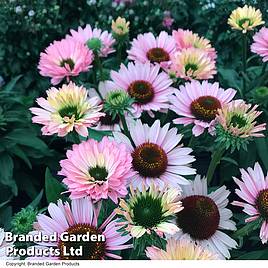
{"x":54,"y":188}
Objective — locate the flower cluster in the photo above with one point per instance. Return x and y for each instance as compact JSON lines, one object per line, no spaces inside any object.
{"x":126,"y":127}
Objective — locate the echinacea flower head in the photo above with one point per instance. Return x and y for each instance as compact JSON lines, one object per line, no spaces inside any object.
{"x":157,"y":50}
{"x":245,"y":18}
{"x":157,"y":156}
{"x":4,"y":245}
{"x":192,"y":64}
{"x":253,"y":189}
{"x":149,"y":88}
{"x":203,"y":217}
{"x":65,"y":110}
{"x":188,"y":39}
{"x":236,"y":124}
{"x":180,"y":250}
{"x":198,"y":103}
{"x":107,"y":122}
{"x":120,"y":26}
{"x":97,"y":169}
{"x":117,"y":103}
{"x":148,"y":211}
{"x":260,"y":44}
{"x":64,"y":58}
{"x":22,"y":222}
{"x":95,"y":39}
{"x":77,"y":218}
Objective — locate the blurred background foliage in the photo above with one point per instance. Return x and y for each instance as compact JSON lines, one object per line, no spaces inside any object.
{"x":26,"y":29}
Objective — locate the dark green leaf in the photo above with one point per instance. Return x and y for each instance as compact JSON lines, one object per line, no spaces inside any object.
{"x":6,"y":174}
{"x":98,"y":135}
{"x":37,"y":200}
{"x":12,"y":83}
{"x":27,"y":138}
{"x":262,"y":149}
{"x":53,"y":188}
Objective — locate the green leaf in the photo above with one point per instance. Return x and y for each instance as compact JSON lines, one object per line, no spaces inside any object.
{"x":27,"y":138}
{"x":98,"y":135}
{"x":255,"y":255}
{"x":12,"y":83}
{"x":5,"y":217}
{"x":37,"y":200}
{"x":229,"y":160}
{"x":231,"y":77}
{"x":53,"y":188}
{"x":16,"y":150}
{"x":6,"y":172}
{"x":262,"y":149}
{"x":248,"y":228}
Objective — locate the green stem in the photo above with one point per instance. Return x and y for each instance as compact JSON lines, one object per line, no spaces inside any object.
{"x":215,"y":160}
{"x":244,"y":62}
{"x":119,"y":53}
{"x":190,"y":144}
{"x":263,"y":68}
{"x":99,"y":65}
{"x":125,"y":128}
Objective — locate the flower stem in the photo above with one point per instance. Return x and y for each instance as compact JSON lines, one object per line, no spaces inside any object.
{"x":190,"y":144}
{"x":263,"y":68}
{"x":119,"y":54}
{"x":99,"y":65}
{"x":215,"y":160}
{"x":125,"y":128}
{"x":244,"y":62}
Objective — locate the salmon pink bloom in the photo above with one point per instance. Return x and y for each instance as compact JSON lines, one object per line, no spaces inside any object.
{"x":188,"y":39}
{"x":192,"y":64}
{"x":64,"y":58}
{"x":67,"y":109}
{"x":98,"y":169}
{"x":180,"y":250}
{"x":260,"y":44}
{"x":89,"y":36}
{"x":149,"y":211}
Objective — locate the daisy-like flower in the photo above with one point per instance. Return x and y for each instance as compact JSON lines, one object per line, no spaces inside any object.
{"x":4,"y":245}
{"x":204,"y":215}
{"x":147,"y":48}
{"x":106,"y":123}
{"x":245,"y":18}
{"x":64,"y":58}
{"x":149,"y":211}
{"x":143,"y":82}
{"x":188,"y":39}
{"x":157,"y":156}
{"x":180,"y":250}
{"x":236,"y":124}
{"x":67,"y":109}
{"x":98,"y":169}
{"x":192,"y":63}
{"x":78,"y":218}
{"x":260,"y":44}
{"x":93,"y":37}
{"x":111,"y":95}
{"x":198,"y":103}
{"x":253,"y":189}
